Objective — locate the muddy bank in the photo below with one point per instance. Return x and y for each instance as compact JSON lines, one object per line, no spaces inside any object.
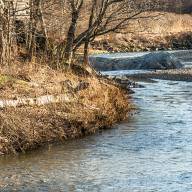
{"x":174,"y":75}
{"x":97,"y":105}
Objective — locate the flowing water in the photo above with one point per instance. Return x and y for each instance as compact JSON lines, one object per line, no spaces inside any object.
{"x":151,"y":152}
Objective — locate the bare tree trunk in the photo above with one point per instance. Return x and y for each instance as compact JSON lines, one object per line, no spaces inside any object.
{"x":32,"y":44}
{"x":2,"y":39}
{"x":68,"y":52}
{"x":8,"y":32}
{"x":36,"y":16}
{"x":87,"y":38}
{"x":86,"y":53}
{"x":2,"y":45}
{"x":86,"y":62}
{"x":32,"y":30}
{"x":75,"y":11}
{"x":5,"y":33}
{"x":43,"y":26}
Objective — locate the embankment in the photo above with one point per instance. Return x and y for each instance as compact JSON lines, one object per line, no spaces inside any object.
{"x":94,"y":103}
{"x":174,"y":75}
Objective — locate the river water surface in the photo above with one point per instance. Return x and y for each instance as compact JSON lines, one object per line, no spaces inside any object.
{"x":151,"y":152}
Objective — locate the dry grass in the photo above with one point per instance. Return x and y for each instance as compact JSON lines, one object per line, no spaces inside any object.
{"x":169,"y":31}
{"x":31,"y":79}
{"x":98,"y":105}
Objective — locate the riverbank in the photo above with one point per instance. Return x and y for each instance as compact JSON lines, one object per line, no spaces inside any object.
{"x":92,"y":103}
{"x":156,"y":141}
{"x":144,"y":42}
{"x":173,"y":74}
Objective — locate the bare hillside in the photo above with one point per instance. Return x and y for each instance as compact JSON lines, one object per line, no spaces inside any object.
{"x":166,"y":24}
{"x":169,"y":31}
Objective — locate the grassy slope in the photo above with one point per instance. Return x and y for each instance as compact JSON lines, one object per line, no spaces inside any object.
{"x":147,"y":33}
{"x":97,"y":106}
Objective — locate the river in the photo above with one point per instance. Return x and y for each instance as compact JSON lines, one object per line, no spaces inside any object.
{"x":150,"y":152}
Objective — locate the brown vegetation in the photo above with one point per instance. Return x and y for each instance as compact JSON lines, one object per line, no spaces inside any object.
{"x":98,"y":105}
{"x":168,"y":31}
{"x":135,"y":43}
{"x":34,"y":64}
{"x":38,"y":46}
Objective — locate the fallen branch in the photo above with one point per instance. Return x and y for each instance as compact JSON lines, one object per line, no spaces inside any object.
{"x":42,"y":100}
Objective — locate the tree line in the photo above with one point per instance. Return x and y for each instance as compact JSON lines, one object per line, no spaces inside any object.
{"x":79,"y":22}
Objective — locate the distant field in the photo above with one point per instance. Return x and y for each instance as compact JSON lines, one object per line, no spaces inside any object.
{"x":168,"y":23}
{"x":153,"y":32}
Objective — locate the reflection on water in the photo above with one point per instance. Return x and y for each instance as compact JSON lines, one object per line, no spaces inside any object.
{"x":150,"y":152}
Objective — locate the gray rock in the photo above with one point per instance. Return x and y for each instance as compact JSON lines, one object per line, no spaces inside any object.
{"x":124,"y":82}
{"x":151,"y":61}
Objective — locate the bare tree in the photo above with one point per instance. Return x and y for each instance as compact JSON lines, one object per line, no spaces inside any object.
{"x":75,"y":6}
{"x":100,"y":17}
{"x":110,"y":16}
{"x":6,"y":29}
{"x":36,"y":18}
{"x":96,"y":18}
{"x":2,"y":35}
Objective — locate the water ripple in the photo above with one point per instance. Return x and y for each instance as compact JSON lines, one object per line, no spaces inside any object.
{"x":151,"y":152}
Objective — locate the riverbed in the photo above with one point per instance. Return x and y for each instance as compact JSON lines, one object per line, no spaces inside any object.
{"x":151,"y":151}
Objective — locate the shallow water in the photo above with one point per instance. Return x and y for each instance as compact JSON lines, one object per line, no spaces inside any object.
{"x":150,"y":152}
